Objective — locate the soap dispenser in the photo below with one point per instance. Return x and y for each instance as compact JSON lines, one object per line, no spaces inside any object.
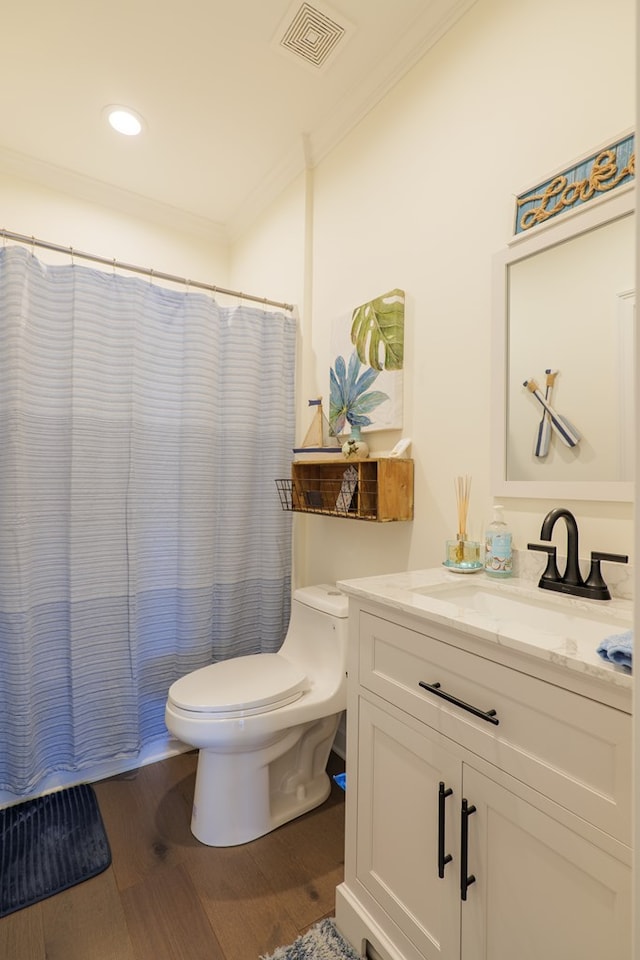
{"x":498,"y":555}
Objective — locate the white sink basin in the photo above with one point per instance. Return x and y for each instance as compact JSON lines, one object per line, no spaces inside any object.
{"x":525,"y":612}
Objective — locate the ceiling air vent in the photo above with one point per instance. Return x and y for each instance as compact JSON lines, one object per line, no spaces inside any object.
{"x":312,"y":33}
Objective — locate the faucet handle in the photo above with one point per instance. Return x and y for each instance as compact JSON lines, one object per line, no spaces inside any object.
{"x":595,"y":580}
{"x":612,"y":557}
{"x":551,"y":572}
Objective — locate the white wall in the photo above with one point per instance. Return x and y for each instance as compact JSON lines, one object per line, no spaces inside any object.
{"x":272,"y":254}
{"x":420,"y":196}
{"x":61,"y":218}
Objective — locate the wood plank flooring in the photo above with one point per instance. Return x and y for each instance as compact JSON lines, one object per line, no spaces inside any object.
{"x":168,"y":897}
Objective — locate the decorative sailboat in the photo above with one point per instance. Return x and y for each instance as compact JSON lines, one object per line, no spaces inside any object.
{"x":319,"y":438}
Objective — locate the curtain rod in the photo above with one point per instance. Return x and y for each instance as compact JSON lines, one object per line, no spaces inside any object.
{"x":145,"y":271}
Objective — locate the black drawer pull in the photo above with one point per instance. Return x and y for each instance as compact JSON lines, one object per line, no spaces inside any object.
{"x":443,"y":859}
{"x":488,"y":715}
{"x":465,"y":879}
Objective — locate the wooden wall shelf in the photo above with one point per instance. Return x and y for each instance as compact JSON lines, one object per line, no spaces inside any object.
{"x":379,"y":489}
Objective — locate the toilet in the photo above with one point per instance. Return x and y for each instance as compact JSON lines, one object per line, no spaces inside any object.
{"x":264,"y":724}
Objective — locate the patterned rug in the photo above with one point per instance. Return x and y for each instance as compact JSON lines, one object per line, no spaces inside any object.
{"x":322,"y":942}
{"x":49,"y":844}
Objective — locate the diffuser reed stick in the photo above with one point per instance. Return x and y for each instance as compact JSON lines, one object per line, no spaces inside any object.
{"x":463,"y":492}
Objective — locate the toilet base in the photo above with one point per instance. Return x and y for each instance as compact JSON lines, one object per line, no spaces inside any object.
{"x":242,"y":796}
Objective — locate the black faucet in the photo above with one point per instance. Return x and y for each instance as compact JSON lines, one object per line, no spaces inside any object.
{"x":571,"y":581}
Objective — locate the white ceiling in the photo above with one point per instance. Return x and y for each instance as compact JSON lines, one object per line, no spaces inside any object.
{"x":231,"y":117}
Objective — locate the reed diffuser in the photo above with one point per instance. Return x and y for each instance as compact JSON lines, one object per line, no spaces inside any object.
{"x":463,"y":492}
{"x":463,"y":554}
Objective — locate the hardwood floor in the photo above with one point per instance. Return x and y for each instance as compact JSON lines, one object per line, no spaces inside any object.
{"x":168,"y":897}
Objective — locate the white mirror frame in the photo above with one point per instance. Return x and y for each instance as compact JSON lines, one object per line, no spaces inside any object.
{"x":619,"y":203}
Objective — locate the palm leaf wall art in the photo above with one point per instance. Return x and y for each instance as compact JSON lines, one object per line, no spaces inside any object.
{"x":368,"y":346}
{"x":377,"y":331}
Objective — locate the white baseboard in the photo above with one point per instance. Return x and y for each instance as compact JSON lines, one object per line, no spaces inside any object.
{"x":159,"y":749}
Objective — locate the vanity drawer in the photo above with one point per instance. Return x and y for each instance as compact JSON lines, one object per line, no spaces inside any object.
{"x":573,"y":750}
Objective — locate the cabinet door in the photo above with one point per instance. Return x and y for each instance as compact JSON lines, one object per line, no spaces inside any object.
{"x":541,"y":890}
{"x":400,"y":769}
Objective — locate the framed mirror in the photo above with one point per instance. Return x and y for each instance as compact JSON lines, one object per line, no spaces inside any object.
{"x":564,"y":301}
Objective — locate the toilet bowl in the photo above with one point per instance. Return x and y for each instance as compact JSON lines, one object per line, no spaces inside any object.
{"x":264,"y":724}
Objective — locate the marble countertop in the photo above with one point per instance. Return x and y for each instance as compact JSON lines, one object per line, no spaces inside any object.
{"x":513,"y":613}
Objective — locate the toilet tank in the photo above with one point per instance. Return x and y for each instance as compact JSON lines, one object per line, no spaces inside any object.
{"x":325,"y":598}
{"x":318,"y":628}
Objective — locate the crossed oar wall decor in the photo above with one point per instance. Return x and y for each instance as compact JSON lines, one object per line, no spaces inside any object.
{"x":551,"y":420}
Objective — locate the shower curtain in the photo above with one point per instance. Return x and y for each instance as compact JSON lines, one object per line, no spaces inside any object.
{"x":141,"y":535}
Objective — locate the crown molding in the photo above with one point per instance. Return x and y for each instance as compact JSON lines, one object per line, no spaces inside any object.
{"x":86,"y":188}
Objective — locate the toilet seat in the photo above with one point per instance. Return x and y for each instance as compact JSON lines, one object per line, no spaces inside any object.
{"x":240,"y":687}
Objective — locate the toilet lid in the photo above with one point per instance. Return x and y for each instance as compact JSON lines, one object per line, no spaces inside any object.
{"x":254,"y":683}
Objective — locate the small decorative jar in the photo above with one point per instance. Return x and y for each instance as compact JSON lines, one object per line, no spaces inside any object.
{"x":355,"y":447}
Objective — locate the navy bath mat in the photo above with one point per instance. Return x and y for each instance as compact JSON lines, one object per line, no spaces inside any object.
{"x":49,"y":844}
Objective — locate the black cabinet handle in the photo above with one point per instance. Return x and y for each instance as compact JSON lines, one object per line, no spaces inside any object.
{"x":465,"y":879}
{"x":488,"y":715}
{"x":443,"y":859}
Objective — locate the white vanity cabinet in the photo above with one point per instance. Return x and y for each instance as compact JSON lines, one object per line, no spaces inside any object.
{"x":490,"y":835}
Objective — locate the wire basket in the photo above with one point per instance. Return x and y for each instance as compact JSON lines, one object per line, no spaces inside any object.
{"x":342,"y":495}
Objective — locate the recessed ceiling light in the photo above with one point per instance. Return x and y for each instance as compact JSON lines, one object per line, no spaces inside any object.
{"x":124,"y":120}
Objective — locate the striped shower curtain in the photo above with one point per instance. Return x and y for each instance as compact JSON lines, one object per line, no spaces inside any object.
{"x":141,"y":536}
